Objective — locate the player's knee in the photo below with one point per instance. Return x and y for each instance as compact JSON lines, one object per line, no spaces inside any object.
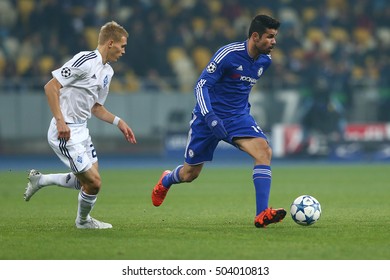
{"x":268,"y":153}
{"x":93,"y":185}
{"x":264,"y":155}
{"x":97,"y":186}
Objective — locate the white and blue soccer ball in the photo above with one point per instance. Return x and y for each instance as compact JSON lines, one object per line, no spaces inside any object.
{"x":305,"y":210}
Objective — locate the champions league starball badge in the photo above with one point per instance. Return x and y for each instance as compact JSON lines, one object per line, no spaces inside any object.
{"x":65,"y":72}
{"x":211,"y":67}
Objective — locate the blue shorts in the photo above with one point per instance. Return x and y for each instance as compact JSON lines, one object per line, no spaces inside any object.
{"x":202,"y":143}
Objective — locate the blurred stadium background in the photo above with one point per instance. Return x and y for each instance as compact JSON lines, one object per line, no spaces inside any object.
{"x":327,"y":94}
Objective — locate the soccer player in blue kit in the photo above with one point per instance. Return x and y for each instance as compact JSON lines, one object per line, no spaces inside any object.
{"x":222,"y":112}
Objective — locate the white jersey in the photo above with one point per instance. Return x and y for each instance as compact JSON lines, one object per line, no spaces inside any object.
{"x":85,"y":81}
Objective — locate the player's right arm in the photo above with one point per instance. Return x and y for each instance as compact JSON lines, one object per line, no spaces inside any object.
{"x":213,"y":121}
{"x":209,"y":77}
{"x":52,"y":91}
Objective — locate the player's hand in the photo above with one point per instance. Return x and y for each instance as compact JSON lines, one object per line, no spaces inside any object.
{"x":63,"y":130}
{"x":127,"y":132}
{"x":216,"y":125}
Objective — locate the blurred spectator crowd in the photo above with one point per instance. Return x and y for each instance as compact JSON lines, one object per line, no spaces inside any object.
{"x":342,"y":44}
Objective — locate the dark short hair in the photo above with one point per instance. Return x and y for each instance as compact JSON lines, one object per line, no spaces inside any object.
{"x":261,"y":22}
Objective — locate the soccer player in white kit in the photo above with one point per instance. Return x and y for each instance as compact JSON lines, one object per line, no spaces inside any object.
{"x":77,"y":90}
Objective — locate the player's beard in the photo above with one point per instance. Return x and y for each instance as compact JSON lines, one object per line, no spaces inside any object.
{"x":265,"y":50}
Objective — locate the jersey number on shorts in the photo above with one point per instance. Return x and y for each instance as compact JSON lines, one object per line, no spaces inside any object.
{"x":93,"y":152}
{"x":257,"y":129}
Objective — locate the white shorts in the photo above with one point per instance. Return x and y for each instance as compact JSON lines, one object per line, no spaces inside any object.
{"x":78,"y":153}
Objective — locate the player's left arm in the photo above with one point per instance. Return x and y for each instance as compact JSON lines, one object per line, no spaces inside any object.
{"x":103,"y":114}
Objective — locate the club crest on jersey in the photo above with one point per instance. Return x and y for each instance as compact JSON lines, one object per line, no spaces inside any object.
{"x":211,"y":67}
{"x":65,"y":72}
{"x":105,"y":81}
{"x":260,"y":72}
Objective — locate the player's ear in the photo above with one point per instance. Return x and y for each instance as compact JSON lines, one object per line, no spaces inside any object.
{"x":110,"y":43}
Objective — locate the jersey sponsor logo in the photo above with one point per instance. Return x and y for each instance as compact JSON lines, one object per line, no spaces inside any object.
{"x":211,"y":67}
{"x":251,"y":80}
{"x":66,"y":72}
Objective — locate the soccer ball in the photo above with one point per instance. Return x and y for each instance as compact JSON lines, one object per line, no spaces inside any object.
{"x":305,"y":210}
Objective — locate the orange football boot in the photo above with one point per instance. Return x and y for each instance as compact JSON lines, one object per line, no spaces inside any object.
{"x":269,"y":216}
{"x":160,"y":192}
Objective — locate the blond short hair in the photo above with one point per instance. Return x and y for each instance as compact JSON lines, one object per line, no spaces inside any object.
{"x":111,"y":30}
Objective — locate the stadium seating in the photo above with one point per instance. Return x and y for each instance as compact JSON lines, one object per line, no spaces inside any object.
{"x":174,"y":42}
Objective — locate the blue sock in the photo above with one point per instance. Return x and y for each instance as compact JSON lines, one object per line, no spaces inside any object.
{"x":172,"y":178}
{"x":262,"y":182}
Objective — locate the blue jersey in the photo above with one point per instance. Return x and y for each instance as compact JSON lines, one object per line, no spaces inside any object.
{"x":225,"y":84}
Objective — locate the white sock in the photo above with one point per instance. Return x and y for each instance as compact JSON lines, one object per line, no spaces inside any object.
{"x":86,"y":203}
{"x":66,"y":180}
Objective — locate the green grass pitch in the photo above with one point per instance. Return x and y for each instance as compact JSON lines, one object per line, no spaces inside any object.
{"x":208,"y":219}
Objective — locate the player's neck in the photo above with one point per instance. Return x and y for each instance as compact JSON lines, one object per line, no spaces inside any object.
{"x":251,"y":49}
{"x":104,"y":53}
